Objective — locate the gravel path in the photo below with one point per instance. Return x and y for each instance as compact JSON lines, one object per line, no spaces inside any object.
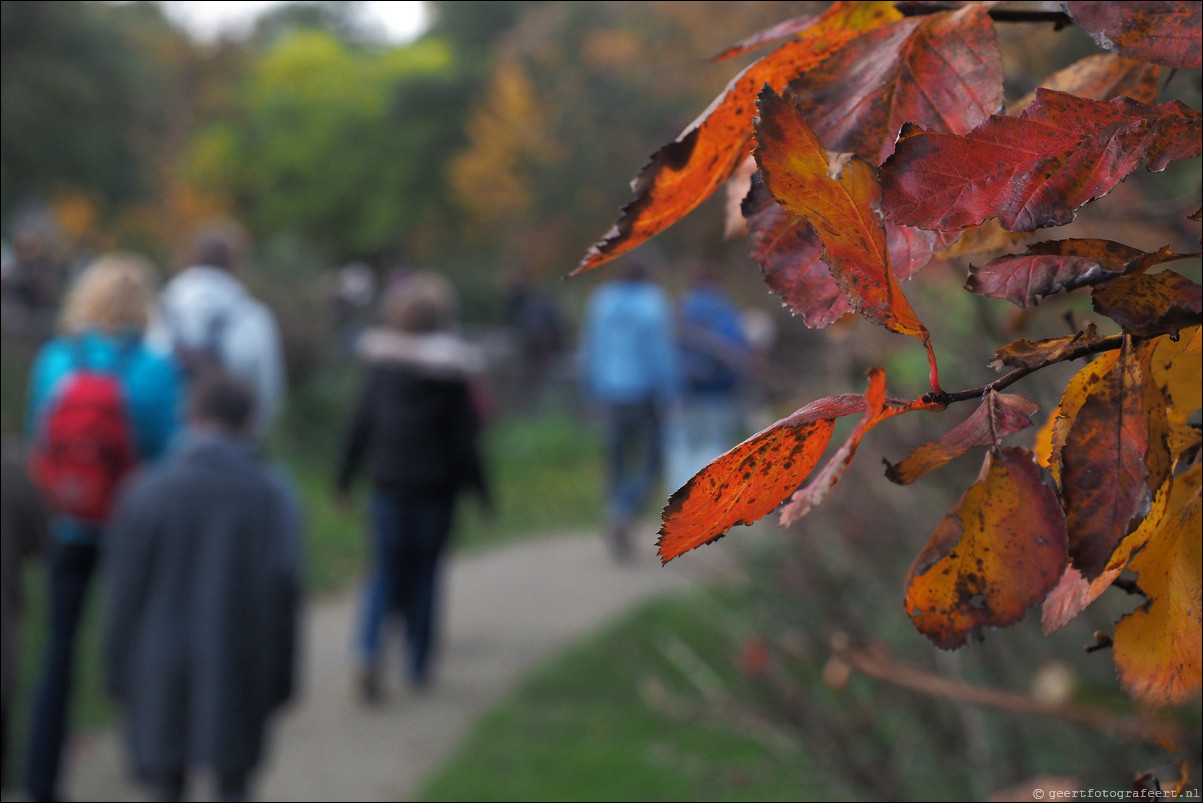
{"x":504,"y":611}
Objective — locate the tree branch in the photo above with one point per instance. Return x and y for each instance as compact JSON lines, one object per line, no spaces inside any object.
{"x":883,"y":668}
{"x":1085,"y":350}
{"x":1059,"y":19}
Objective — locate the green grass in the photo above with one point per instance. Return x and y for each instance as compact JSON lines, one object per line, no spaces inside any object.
{"x":612,"y":719}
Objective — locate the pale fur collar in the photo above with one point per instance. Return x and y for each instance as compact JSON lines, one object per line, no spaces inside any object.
{"x":437,"y":353}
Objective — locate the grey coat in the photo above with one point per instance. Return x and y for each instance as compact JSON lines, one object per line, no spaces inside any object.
{"x":203,"y":562}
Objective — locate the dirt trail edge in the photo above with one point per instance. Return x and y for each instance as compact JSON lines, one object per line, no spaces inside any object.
{"x":504,"y":611}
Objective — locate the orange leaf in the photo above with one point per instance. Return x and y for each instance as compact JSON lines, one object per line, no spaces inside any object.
{"x":796,"y":169}
{"x":998,"y":416}
{"x":1157,"y":647}
{"x":751,"y":480}
{"x":806,"y":499}
{"x":997,"y":553}
{"x":1176,"y":368}
{"x":688,"y":170}
{"x":1103,"y":470}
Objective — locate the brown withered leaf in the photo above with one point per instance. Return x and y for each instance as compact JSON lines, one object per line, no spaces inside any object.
{"x":1074,"y":593}
{"x":1051,"y":439}
{"x":1034,"y":170}
{"x":752,"y":479}
{"x":940,"y":71}
{"x":997,"y":553}
{"x":1157,"y":647}
{"x":1102,"y":77}
{"x":1161,"y":32}
{"x":1054,"y":266}
{"x":1026,"y":354}
{"x":999,"y":415}
{"x":685,"y":172}
{"x":797,"y":171}
{"x":1146,"y":305}
{"x":1103,"y":471}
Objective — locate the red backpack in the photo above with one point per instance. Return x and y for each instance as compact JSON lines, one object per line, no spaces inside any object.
{"x":85,"y":446}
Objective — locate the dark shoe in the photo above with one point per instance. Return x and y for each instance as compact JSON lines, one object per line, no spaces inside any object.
{"x":368,"y":684}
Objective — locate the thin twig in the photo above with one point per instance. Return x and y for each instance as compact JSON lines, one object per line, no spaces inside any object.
{"x":910,"y":677}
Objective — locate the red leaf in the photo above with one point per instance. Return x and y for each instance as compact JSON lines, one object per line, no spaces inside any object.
{"x":795,"y":168}
{"x":790,"y":256}
{"x":997,"y":553}
{"x":942,"y":71}
{"x":1034,"y":170}
{"x":751,"y":480}
{"x":687,"y":171}
{"x":1161,"y":32}
{"x":1103,"y":471}
{"x":1148,"y":305}
{"x":998,"y":416}
{"x":1050,"y":267}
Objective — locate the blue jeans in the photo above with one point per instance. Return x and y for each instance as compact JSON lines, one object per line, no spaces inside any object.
{"x":71,"y":568}
{"x":635,"y":456}
{"x":408,"y":539}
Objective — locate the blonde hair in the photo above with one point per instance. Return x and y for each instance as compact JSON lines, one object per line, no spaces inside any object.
{"x":113,"y":295}
{"x":424,"y":302}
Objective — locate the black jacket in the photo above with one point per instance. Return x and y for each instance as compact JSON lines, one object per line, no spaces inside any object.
{"x":417,"y":430}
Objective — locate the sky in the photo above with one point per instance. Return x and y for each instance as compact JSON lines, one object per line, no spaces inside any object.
{"x":401,"y":21}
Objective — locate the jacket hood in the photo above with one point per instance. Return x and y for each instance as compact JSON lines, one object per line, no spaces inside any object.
{"x":440,"y":354}
{"x":204,"y":288}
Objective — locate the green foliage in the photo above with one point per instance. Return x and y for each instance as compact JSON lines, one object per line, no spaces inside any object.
{"x":334,"y":141}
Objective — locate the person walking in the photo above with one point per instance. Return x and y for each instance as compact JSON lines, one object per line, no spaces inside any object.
{"x":209,"y":320}
{"x":203,"y":559}
{"x":101,"y":402}
{"x":416,"y":431}
{"x":631,"y":371}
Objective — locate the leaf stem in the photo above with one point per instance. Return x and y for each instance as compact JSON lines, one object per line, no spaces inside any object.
{"x":918,"y":9}
{"x":1085,"y":350}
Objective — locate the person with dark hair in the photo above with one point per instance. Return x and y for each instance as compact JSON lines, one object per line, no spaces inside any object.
{"x":204,"y":563}
{"x":416,"y":430}
{"x":207,"y":316}
{"x":630,"y":370}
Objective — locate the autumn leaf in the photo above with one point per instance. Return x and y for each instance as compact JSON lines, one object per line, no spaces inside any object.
{"x":790,"y":255}
{"x":1053,"y":435}
{"x":688,"y":170}
{"x":998,"y":416}
{"x":941,"y":71}
{"x":1055,"y":265}
{"x":1176,"y":367}
{"x":1161,"y":32}
{"x":1074,"y":593}
{"x":752,"y":479}
{"x":1103,"y":470}
{"x":1157,"y":647}
{"x":781,"y":30}
{"x":795,"y":168}
{"x":1034,"y":170}
{"x":1026,"y":354}
{"x":1149,"y":305}
{"x":1102,"y":77}
{"x":806,"y":499}
{"x":997,"y":553}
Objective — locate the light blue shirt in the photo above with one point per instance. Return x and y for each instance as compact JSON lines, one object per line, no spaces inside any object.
{"x":628,"y":351}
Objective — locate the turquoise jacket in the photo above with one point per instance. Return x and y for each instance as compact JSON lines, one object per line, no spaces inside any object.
{"x":153,"y":390}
